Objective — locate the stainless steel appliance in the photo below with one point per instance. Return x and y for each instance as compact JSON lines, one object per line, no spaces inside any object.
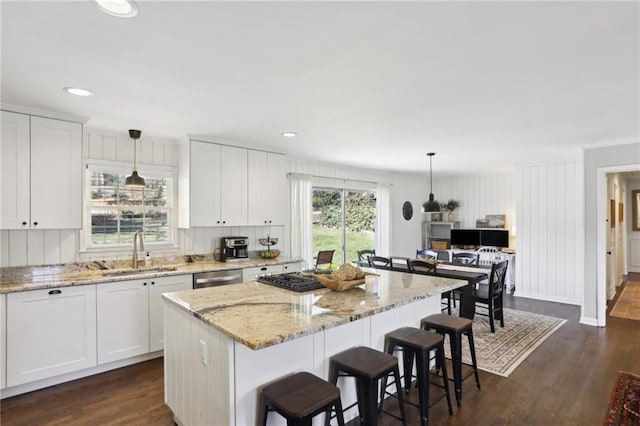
{"x":234,"y":248}
{"x":296,"y":281}
{"x":216,"y":278}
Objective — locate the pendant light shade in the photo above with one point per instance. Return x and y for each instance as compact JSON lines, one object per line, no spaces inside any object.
{"x":134,"y":180}
{"x":431,"y":206}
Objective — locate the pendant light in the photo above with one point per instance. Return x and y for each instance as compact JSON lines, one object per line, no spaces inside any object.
{"x":431,"y":206}
{"x":134,"y":180}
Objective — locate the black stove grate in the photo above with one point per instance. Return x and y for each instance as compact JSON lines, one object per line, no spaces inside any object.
{"x":294,"y":281}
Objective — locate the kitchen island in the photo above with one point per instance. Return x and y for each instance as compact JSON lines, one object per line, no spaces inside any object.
{"x":222,"y":344}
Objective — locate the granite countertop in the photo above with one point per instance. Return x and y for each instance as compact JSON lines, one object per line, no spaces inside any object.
{"x":259,"y":315}
{"x":14,"y":279}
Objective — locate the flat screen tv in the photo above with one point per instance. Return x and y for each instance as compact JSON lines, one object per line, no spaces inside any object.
{"x":465,"y":237}
{"x":494,"y":237}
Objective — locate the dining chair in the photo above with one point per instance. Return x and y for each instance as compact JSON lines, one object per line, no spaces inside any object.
{"x":379,"y":262}
{"x":487,"y":255}
{"x":465,"y":258}
{"x":363,"y":255}
{"x":490,"y":294}
{"x":420,"y":266}
{"x":324,"y":257}
{"x":426,"y":254}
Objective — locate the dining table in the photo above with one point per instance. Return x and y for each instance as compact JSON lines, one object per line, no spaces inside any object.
{"x":473,"y":274}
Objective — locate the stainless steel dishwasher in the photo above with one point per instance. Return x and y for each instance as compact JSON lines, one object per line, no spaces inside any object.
{"x":212,"y":279}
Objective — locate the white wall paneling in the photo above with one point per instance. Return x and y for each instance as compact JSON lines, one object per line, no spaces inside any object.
{"x":549,"y":236}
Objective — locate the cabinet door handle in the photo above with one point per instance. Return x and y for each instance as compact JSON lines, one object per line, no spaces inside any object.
{"x":224,"y":221}
{"x":24,"y":223}
{"x":55,"y":292}
{"x":218,"y":221}
{"x":153,"y":282}
{"x":35,"y":223}
{"x":263,"y":269}
{"x":144,"y":284}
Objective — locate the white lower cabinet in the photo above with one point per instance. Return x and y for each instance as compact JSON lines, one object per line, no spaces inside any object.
{"x":50,"y":332}
{"x":123,"y":320}
{"x":130,"y":318}
{"x":3,"y":339}
{"x":156,"y":313}
{"x":292,"y":267}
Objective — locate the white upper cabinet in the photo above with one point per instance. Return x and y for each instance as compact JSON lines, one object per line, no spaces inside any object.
{"x":267,"y":188}
{"x":217,"y":191}
{"x":41,"y":173}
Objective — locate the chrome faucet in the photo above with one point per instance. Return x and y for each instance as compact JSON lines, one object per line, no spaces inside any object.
{"x":135,"y":248}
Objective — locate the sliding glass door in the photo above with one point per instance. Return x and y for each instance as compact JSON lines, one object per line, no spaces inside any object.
{"x":343,"y":220}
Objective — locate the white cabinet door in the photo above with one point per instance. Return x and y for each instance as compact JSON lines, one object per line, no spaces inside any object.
{"x":233,"y":186}
{"x":204,"y":196}
{"x":278,"y":187}
{"x":3,"y":339}
{"x":56,"y":174}
{"x":156,"y":318}
{"x":250,"y":274}
{"x":50,"y":332}
{"x":123,"y":320}
{"x":267,"y":189}
{"x":14,"y":160}
{"x":258,"y":176}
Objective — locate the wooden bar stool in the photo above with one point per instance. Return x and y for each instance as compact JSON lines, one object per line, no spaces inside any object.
{"x":300,"y":397}
{"x":417,"y":344}
{"x":367,"y":366}
{"x":455,"y":327}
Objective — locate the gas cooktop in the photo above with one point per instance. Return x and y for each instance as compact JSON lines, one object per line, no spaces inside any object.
{"x":295,"y":281}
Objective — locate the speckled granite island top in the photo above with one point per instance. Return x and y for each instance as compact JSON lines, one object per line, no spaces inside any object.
{"x":14,"y":279}
{"x":259,"y":315}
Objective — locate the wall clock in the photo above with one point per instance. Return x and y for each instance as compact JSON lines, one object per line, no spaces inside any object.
{"x":407,"y":210}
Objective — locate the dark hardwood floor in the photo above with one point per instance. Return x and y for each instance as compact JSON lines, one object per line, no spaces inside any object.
{"x":565,"y":381}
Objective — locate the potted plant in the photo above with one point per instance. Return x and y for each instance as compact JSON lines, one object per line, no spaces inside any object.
{"x":449,"y":207}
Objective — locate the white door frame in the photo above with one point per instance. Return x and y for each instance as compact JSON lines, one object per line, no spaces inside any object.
{"x":601,"y":244}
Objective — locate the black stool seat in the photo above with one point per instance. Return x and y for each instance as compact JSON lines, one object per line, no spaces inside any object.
{"x":368,"y":366}
{"x":299,"y":397}
{"x":455,"y":327}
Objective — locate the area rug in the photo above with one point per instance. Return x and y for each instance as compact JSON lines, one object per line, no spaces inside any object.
{"x":628,"y":304}
{"x":501,"y":352}
{"x":624,"y":408}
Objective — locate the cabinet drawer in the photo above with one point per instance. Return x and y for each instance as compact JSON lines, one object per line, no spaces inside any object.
{"x":250,"y":274}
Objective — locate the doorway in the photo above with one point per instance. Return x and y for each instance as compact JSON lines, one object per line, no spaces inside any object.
{"x":610,"y":247}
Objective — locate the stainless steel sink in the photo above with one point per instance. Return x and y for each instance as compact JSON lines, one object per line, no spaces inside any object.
{"x":126,"y":272}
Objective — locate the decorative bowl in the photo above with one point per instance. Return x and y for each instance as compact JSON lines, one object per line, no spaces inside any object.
{"x":269,"y":254}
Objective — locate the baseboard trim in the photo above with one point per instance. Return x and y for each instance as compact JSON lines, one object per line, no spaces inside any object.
{"x":547,"y":298}
{"x":588,"y":321}
{"x":45,"y":383}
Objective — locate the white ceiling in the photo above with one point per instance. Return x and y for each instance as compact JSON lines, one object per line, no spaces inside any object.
{"x":485,"y":85}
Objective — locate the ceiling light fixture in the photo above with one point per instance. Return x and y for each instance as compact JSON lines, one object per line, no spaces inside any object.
{"x":431,"y":206}
{"x":119,"y":8}
{"x":289,"y":134}
{"x":77,"y":91}
{"x":134,"y":180}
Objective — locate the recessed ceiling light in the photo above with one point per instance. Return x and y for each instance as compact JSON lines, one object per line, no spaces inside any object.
{"x":78,"y":91}
{"x":119,"y":8}
{"x":289,"y":134}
